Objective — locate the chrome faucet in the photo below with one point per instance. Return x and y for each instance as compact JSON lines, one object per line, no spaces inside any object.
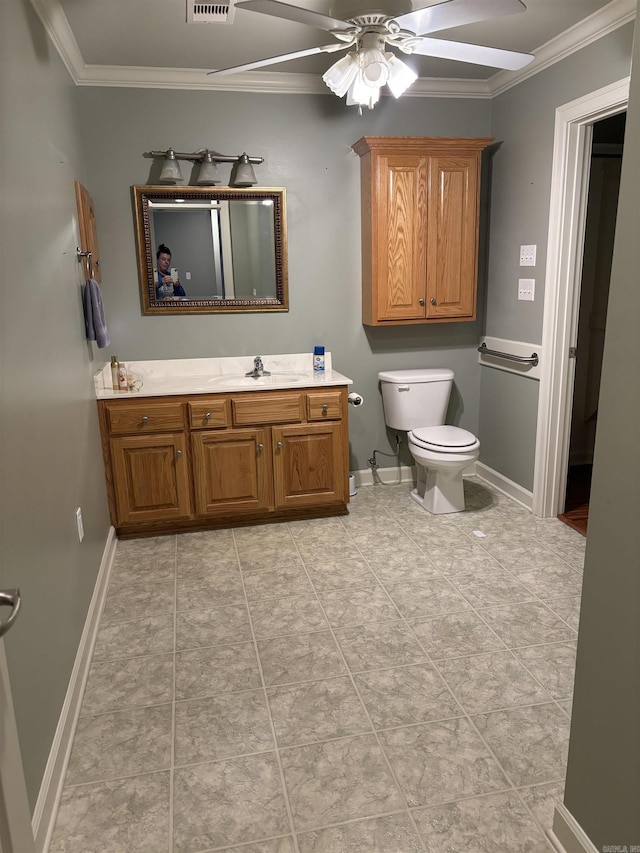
{"x":258,"y":369}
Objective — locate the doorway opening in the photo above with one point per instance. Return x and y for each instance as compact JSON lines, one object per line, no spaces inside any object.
{"x":573,"y":137}
{"x":602,"y":203}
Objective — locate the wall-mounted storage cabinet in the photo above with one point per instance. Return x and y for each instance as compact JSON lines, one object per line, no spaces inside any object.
{"x":420,"y":216}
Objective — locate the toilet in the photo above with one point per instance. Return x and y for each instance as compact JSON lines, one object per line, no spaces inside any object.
{"x":415,"y":401}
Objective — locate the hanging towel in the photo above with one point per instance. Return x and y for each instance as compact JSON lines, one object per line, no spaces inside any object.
{"x":94,"y":314}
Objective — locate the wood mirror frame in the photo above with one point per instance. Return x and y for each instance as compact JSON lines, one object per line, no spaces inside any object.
{"x":144,"y":199}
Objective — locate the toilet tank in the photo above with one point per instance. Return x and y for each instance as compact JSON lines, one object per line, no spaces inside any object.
{"x":415,"y":398}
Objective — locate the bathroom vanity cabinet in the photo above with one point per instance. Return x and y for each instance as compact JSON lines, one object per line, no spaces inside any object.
{"x":211,"y":460}
{"x":420,"y":216}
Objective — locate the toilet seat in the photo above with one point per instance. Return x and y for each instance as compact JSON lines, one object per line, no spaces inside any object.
{"x":444,"y":439}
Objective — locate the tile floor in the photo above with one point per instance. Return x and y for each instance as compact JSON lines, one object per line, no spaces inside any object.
{"x":384,"y":682}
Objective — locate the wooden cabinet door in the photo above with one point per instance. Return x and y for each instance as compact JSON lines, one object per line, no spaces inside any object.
{"x":310,"y":464}
{"x":399,"y":247}
{"x":231,"y":471}
{"x":151,"y":477}
{"x":452,"y":237}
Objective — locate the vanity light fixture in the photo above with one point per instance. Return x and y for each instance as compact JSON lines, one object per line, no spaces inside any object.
{"x":208,"y":172}
{"x":361,"y":74}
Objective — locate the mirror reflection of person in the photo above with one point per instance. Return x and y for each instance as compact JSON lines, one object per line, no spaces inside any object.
{"x":166,"y":286}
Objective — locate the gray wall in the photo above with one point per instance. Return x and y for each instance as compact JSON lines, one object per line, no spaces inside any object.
{"x":50,"y":454}
{"x":523,"y":121}
{"x":306,"y":142}
{"x":603,"y":777}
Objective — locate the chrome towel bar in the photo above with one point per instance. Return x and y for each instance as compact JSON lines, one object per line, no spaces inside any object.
{"x":523,"y":359}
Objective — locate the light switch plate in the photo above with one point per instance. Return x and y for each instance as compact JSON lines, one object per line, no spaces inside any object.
{"x":526,"y":289}
{"x":528,"y":256}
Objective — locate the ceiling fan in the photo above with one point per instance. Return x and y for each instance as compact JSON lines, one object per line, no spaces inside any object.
{"x":368,"y":66}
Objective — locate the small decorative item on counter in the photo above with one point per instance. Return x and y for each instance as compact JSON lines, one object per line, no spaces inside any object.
{"x":318,"y":358}
{"x":133,"y":384}
{"x":114,"y":373}
{"x":122,"y":377}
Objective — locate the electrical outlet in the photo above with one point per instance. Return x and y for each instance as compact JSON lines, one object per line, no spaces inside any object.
{"x":80,"y":524}
{"x":528,"y":256}
{"x":526,"y":289}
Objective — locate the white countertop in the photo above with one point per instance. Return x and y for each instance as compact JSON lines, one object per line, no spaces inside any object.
{"x":218,"y":375}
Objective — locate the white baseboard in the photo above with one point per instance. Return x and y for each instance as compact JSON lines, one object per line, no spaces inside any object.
{"x":567,"y":836}
{"x":395,"y":475}
{"x":504,"y":484}
{"x":46,"y":808}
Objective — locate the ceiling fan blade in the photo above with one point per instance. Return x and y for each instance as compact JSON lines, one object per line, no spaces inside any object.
{"x":273,"y":60}
{"x":293,"y":13}
{"x":455,"y":13}
{"x":475,"y":53}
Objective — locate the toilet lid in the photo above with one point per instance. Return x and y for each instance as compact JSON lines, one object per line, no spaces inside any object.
{"x":446,"y":439}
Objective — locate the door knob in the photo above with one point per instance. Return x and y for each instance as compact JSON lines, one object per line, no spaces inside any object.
{"x":11,"y":598}
{"x":260,"y":448}
{"x":433,"y":300}
{"x":207,"y":416}
{"x":145,"y":419}
{"x":279,"y":445}
{"x":421,"y":301}
{"x":178,"y":453}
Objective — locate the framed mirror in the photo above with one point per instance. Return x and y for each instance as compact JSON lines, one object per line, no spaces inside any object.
{"x":204,"y":250}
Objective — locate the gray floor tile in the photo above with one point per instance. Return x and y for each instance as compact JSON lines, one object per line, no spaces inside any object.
{"x":215,"y":627}
{"x":526,"y":624}
{"x":228,"y":802}
{"x":553,"y":665}
{"x":121,"y":743}
{"x":490,"y":681}
{"x":117,"y":684}
{"x":294,"y":614}
{"x":221,"y":727}
{"x":542,"y":800}
{"x":148,"y":599}
{"x":133,"y":637}
{"x":316,"y":711}
{"x":389,"y":834}
{"x":481,"y":825}
{"x":358,"y":605}
{"x":455,"y":634}
{"x":300,"y":657}
{"x":427,"y":598}
{"x":442,"y":761}
{"x":379,"y":645}
{"x":109,"y":817}
{"x":404,"y":695}
{"x":288,"y":579}
{"x":461,"y":559}
{"x":530,"y":743}
{"x":221,"y":669}
{"x":568,"y":609}
{"x":215,"y":590}
{"x":492,"y":586}
{"x":405,"y":567}
{"x":338,"y":780}
{"x":328,"y":574}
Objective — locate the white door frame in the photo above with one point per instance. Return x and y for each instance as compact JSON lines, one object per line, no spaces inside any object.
{"x":16,"y":834}
{"x":567,"y":220}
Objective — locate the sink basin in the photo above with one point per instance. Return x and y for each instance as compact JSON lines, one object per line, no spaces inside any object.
{"x":240,"y":380}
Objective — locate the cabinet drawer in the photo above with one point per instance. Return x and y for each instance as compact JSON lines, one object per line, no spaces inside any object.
{"x":144,"y":417}
{"x":324,"y":406}
{"x":209,"y":414}
{"x":267,"y":409}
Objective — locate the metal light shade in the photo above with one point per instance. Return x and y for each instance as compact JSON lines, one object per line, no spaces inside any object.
{"x":208,"y":173}
{"x":170,"y":173}
{"x":245,"y":176}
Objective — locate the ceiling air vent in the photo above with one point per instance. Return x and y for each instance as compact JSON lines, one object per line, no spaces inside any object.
{"x":210,"y":13}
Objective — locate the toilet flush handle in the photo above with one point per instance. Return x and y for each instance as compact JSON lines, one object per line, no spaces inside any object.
{"x":403,"y":387}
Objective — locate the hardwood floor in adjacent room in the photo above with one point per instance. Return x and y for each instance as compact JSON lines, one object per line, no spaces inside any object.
{"x":576,"y":512}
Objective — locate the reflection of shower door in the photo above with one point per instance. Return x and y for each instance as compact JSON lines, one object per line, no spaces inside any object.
{"x":227,"y":251}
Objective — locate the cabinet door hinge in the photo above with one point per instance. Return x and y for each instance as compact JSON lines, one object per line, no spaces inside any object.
{"x":573,"y":352}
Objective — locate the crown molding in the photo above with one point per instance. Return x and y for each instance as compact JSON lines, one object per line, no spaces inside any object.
{"x":610,"y":17}
{"x":601,"y":23}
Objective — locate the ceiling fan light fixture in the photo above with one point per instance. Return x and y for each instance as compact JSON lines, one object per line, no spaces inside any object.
{"x":342,"y":74}
{"x":362,"y":95}
{"x":170,"y":173}
{"x":400,"y":75}
{"x":373,"y":63}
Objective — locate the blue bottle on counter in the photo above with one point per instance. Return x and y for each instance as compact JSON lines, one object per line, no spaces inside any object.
{"x":318,"y":358}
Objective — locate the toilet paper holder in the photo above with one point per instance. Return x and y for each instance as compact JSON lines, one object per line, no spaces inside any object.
{"x":355,"y":399}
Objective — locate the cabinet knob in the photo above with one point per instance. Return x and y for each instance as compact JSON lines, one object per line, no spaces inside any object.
{"x":421,"y":301}
{"x":279,"y":445}
{"x":207,"y":416}
{"x":433,"y":300}
{"x":260,"y":448}
{"x":325,"y":408}
{"x":145,"y":419}
{"x":178,"y":453}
